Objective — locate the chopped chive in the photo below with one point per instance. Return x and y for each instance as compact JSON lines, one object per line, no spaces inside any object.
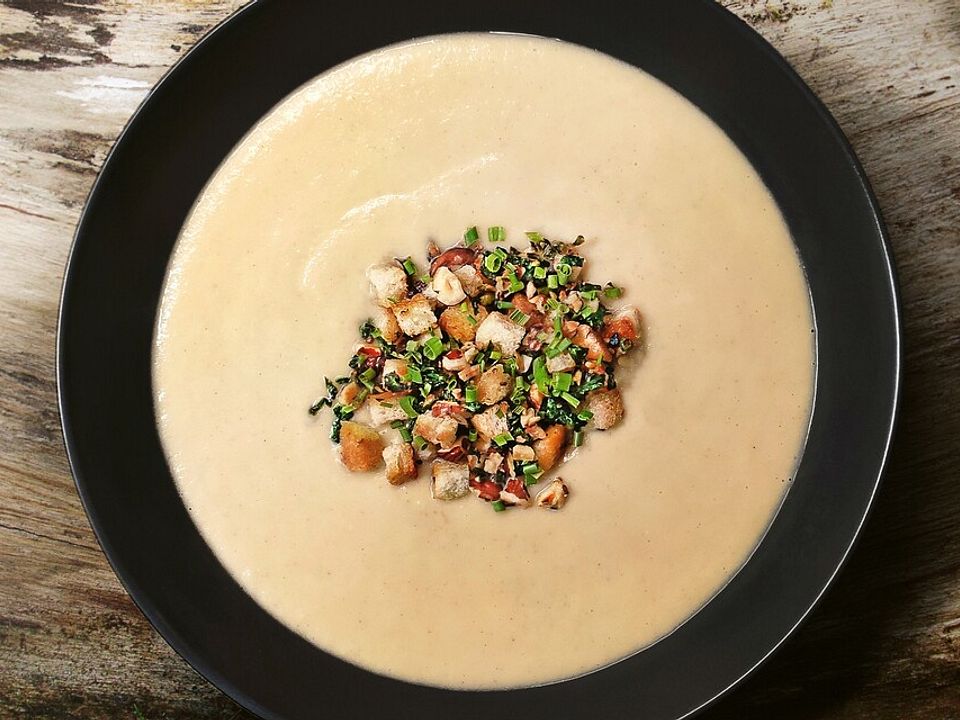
{"x":496,"y":234}
{"x":397,"y":424}
{"x":465,"y":307}
{"x":535,"y":238}
{"x":470,"y":394}
{"x":532,"y":469}
{"x":471,"y":236}
{"x":515,"y":284}
{"x":570,"y":399}
{"x":471,"y":319}
{"x":563,"y":274}
{"x":553,"y":282}
{"x":585,"y":415}
{"x":588,"y":294}
{"x":502,"y":439}
{"x":494,"y":355}
{"x":519,"y":317}
{"x":498,"y":506}
{"x":413,"y":374}
{"x":493,"y":263}
{"x":472,"y":435}
{"x":562,"y":381}
{"x":577,"y":438}
{"x":500,"y":253}
{"x":412,"y":346}
{"x":540,"y":375}
{"x":406,"y":404}
{"x":405,"y":433}
{"x":504,"y":305}
{"x":419,"y":443}
{"x":612,"y":291}
{"x":409,"y":267}
{"x":539,"y":273}
{"x":432,"y":348}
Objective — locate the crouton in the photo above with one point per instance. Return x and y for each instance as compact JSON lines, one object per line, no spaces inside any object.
{"x":388,"y":283}
{"x":383,"y":413}
{"x":503,"y":334}
{"x":395,"y":366}
{"x":561,"y":363}
{"x":386,"y":323}
{"x":549,"y":450}
{"x":493,"y":386}
{"x":415,"y":316}
{"x":360,"y":446}
{"x":449,"y":480}
{"x":471,"y":281}
{"x":553,"y":496}
{"x":401,"y":466}
{"x":440,"y":431}
{"x":607,"y":408}
{"x":447,"y":287}
{"x":459,"y":325}
{"x":490,"y":423}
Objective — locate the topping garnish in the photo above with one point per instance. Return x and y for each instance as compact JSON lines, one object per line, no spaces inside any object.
{"x":492,"y":366}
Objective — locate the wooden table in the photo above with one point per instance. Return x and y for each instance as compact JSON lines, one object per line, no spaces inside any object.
{"x":886,"y":642}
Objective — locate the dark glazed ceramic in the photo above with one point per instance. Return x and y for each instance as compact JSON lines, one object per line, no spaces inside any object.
{"x":188,"y":125}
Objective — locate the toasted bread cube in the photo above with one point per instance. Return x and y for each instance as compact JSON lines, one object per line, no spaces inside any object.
{"x":459,"y":325}
{"x":360,"y":446}
{"x":383,"y":413}
{"x":400,"y":463}
{"x":607,"y":408}
{"x":498,"y":330}
{"x":415,"y":316}
{"x":450,"y":480}
{"x":385,"y":321}
{"x":493,"y":386}
{"x":440,"y":431}
{"x":549,"y":450}
{"x":490,"y":423}
{"x":561,"y":363}
{"x":388,"y":283}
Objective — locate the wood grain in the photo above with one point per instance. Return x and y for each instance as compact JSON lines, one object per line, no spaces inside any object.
{"x":886,"y":642}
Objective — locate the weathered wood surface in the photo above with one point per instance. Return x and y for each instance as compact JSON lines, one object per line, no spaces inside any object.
{"x":886,"y":642}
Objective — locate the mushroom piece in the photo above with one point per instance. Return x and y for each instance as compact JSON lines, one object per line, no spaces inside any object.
{"x":554,"y":496}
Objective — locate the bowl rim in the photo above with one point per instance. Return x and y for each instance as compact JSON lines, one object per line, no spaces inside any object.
{"x":182,"y":646}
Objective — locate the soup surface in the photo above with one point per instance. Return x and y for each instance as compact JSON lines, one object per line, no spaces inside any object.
{"x":266,"y":289}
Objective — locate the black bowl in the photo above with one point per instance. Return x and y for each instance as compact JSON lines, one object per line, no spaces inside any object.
{"x":188,"y":125}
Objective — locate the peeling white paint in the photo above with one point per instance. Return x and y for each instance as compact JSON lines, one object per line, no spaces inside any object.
{"x":107,"y":94}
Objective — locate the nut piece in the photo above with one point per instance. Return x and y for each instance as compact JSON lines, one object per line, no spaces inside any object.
{"x":458,"y":324}
{"x":388,"y":283}
{"x":395,"y":366}
{"x":493,"y":386}
{"x":561,"y":363}
{"x":401,"y":466}
{"x":360,"y":446}
{"x":607,"y":408}
{"x":501,"y":332}
{"x":471,"y":281}
{"x":450,"y":480}
{"x":490,"y":424}
{"x":448,"y":288}
{"x":554,"y":496}
{"x":385,"y":413}
{"x":386,"y":323}
{"x":549,"y":450}
{"x":415,"y":315}
{"x":440,"y":431}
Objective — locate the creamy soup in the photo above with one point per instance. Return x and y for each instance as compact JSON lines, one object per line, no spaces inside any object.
{"x":266,"y":289}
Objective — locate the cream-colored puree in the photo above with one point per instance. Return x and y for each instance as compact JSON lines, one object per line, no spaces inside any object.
{"x":266,"y":290}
